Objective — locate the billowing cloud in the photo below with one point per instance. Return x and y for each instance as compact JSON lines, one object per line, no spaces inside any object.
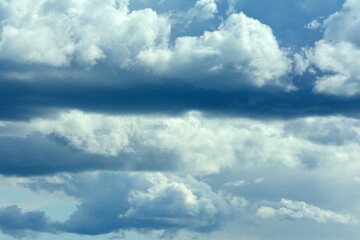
{"x":190,"y":143}
{"x":335,"y":54}
{"x":299,"y":210}
{"x":57,"y":34}
{"x":113,"y":201}
{"x":203,"y":9}
{"x":243,"y":51}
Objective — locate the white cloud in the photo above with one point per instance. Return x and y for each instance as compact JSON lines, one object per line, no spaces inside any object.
{"x":172,"y":198}
{"x":235,"y":183}
{"x":301,"y":61}
{"x":337,"y":53}
{"x":91,"y":133}
{"x":232,"y":6}
{"x":344,"y":25}
{"x":197,"y":145}
{"x":314,"y":24}
{"x":56,"y":34}
{"x":237,"y":202}
{"x":203,"y":9}
{"x":266,"y":212}
{"x":342,"y":71}
{"x":298,"y":210}
{"x":243,"y":49}
{"x":259,"y":180}
{"x":140,"y":201}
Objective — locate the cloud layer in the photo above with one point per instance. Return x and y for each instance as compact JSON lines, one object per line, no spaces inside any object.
{"x":242,"y":50}
{"x":77,"y":141}
{"x":160,"y":119}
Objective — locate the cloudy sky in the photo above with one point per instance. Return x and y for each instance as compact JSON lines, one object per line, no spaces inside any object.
{"x":162,"y":119}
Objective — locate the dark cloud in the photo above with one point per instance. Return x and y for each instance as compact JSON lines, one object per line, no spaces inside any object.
{"x":41,"y":155}
{"x":26,"y":100}
{"x":18,"y":224}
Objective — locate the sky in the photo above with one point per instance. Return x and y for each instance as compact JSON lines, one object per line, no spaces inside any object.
{"x":179,"y":120}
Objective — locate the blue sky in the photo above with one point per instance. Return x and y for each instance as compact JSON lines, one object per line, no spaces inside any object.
{"x":207,"y":119}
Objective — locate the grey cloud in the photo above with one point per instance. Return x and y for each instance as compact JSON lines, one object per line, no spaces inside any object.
{"x":30,"y":99}
{"x":325,"y":130}
{"x":42,"y":155}
{"x":113,"y":201}
{"x":18,"y":224}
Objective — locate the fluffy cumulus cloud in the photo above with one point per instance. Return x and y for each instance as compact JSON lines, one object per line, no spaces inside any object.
{"x":203,"y":9}
{"x":242,"y":51}
{"x":298,"y":210}
{"x":335,"y":55}
{"x":242,"y":48}
{"x":114,"y":201}
{"x":57,"y":34}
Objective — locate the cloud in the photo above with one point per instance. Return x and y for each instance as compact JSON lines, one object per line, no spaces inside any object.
{"x":327,"y":131}
{"x":203,"y":10}
{"x":87,"y":33}
{"x":242,"y":50}
{"x":150,"y":201}
{"x":42,"y":155}
{"x":237,"y":183}
{"x":30,"y":99}
{"x":163,"y":118}
{"x":17,"y":224}
{"x":242,"y":47}
{"x":314,"y":24}
{"x":334,"y":54}
{"x":299,"y":210}
{"x":76,"y":141}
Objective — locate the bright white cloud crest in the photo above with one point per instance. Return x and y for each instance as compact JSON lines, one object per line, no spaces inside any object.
{"x":242,"y":47}
{"x":298,"y":210}
{"x":56,"y":34}
{"x":337,"y":53}
{"x":242,"y":50}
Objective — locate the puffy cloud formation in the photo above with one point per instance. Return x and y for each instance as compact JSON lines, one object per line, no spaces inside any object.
{"x":189,"y":144}
{"x":335,"y":55}
{"x":298,"y":210}
{"x":243,"y":51}
{"x":203,"y":9}
{"x":57,"y":34}
{"x":113,"y":201}
{"x":153,"y":119}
